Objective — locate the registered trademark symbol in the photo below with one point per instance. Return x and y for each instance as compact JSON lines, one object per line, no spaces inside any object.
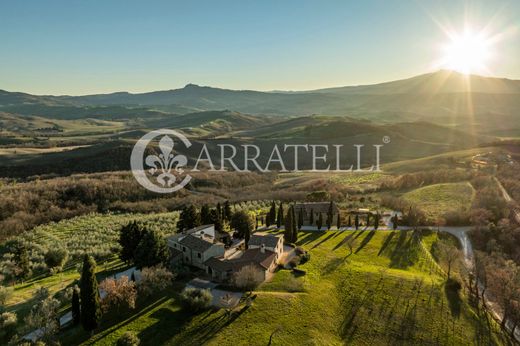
{"x":386,"y":139}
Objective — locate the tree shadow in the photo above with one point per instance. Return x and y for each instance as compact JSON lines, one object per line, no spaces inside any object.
{"x":332,"y":265}
{"x":343,"y":242}
{"x":387,"y":241}
{"x":366,"y":240}
{"x":406,"y":251}
{"x":323,"y":240}
{"x":309,"y":237}
{"x":452,"y":290}
{"x":173,"y":324}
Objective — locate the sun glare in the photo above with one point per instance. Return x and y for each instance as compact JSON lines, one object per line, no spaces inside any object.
{"x":467,"y":52}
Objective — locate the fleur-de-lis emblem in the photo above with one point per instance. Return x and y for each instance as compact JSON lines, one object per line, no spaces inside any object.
{"x":166,"y":162}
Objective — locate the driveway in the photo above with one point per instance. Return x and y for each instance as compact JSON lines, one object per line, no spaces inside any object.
{"x":221,"y":298}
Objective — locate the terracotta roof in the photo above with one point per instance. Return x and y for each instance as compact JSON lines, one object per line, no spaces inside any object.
{"x":250,"y":256}
{"x":269,"y":240}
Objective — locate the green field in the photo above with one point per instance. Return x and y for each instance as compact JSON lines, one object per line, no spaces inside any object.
{"x":388,"y":291}
{"x":436,"y":200}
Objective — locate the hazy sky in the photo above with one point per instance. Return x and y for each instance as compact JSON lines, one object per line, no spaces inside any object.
{"x":81,"y":47}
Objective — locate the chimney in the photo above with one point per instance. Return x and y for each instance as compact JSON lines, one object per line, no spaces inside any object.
{"x":262,"y":248}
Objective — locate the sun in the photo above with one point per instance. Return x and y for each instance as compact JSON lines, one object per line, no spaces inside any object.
{"x":467,"y":52}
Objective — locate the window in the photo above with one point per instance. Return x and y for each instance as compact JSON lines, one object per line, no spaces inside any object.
{"x":199,"y":255}
{"x":183,"y":249}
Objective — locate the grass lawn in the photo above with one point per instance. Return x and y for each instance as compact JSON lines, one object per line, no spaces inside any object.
{"x":387,"y":290}
{"x":438,"y":199}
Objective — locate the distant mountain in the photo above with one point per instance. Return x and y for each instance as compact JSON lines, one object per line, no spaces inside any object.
{"x":443,"y":97}
{"x":440,"y":82}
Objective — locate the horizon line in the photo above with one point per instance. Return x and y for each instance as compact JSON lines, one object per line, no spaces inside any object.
{"x":469,"y":75}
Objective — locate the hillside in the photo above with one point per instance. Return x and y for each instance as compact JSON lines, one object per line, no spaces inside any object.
{"x":440,"y":82}
{"x":484,"y":104}
{"x":110,"y":150}
{"x":387,"y":291}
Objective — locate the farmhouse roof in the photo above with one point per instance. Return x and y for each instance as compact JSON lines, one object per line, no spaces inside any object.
{"x":249,"y":257}
{"x":269,"y":240}
{"x":195,"y":243}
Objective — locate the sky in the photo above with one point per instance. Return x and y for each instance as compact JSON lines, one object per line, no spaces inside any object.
{"x":86,"y":47}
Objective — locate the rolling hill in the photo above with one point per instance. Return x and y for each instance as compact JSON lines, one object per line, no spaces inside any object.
{"x":473,"y":103}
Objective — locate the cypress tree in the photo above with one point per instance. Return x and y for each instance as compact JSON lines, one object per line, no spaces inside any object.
{"x":205,"y":217}
{"x":215,"y":220}
{"x":76,"y":310}
{"x":219,"y":211}
{"x":288,"y":232}
{"x":395,"y":221}
{"x":349,"y":224}
{"x":338,"y":221}
{"x":279,"y":219}
{"x":300,"y":219}
{"x":330,"y":214}
{"x":227,"y":211}
{"x":89,"y":295}
{"x":356,"y":222}
{"x":311,"y":219}
{"x":376,"y":221}
{"x":294,"y":225}
{"x":320,"y":221}
{"x":271,"y":217}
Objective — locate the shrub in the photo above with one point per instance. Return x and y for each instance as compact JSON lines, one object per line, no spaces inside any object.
{"x":8,"y":322}
{"x":194,"y":299}
{"x":154,"y":279}
{"x":44,"y":316}
{"x":128,"y":339}
{"x":248,"y":278}
{"x":55,"y":258}
{"x":305,"y":257}
{"x":299,"y":250}
{"x":293,"y":263}
{"x":5,"y":294}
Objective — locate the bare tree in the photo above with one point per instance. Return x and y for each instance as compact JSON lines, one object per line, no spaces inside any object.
{"x":351,"y":242}
{"x":44,"y":317}
{"x":449,"y":255}
{"x":248,"y":278}
{"x":155,"y":279}
{"x":504,"y":282}
{"x":118,"y":293}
